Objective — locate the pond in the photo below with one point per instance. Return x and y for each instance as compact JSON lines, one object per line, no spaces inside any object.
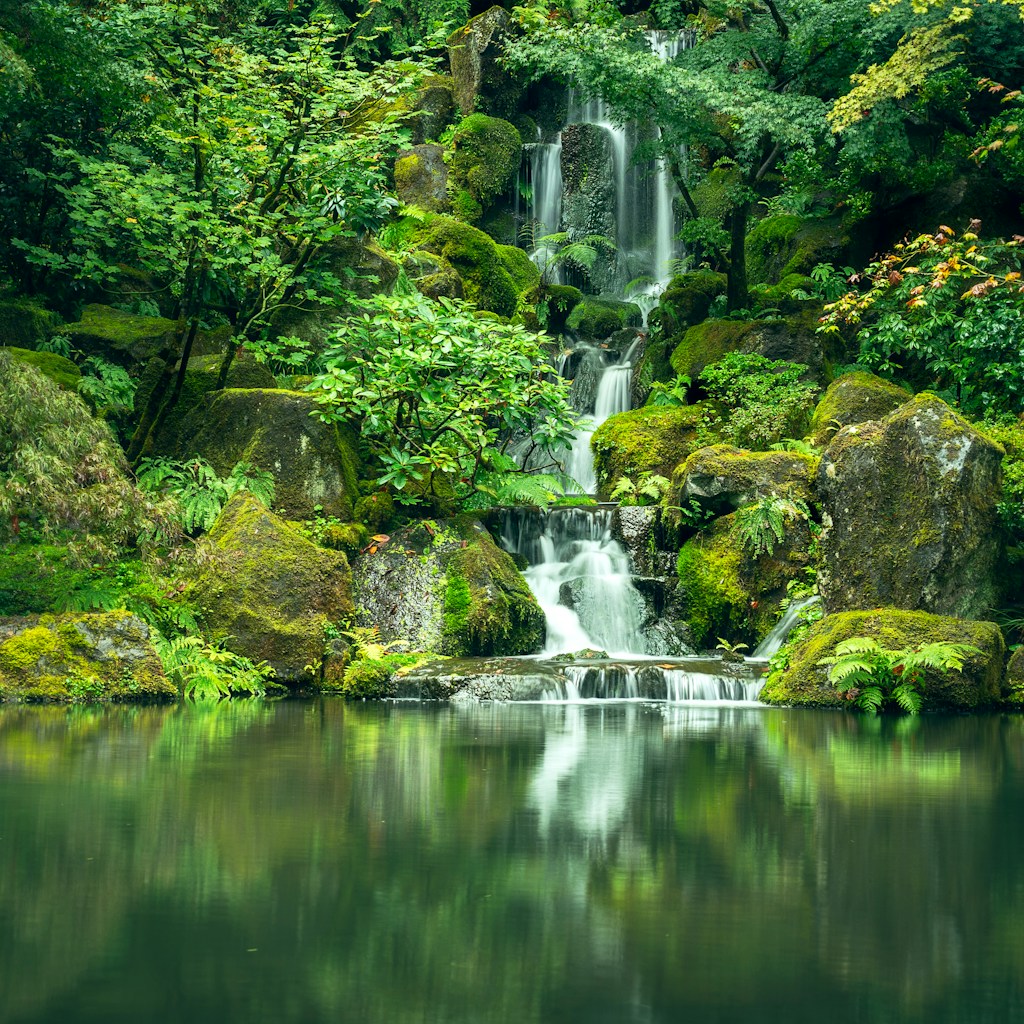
{"x":588,"y":862}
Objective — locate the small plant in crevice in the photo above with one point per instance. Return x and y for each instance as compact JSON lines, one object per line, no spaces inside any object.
{"x":763,"y":524}
{"x":871,"y":676}
{"x":200,"y":492}
{"x":670,"y":393}
{"x":106,"y":386}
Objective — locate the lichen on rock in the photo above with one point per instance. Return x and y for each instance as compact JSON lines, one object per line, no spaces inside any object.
{"x":909,"y":508}
{"x":267,"y":591}
{"x":804,"y":681}
{"x":421,"y":177}
{"x":80,"y":656}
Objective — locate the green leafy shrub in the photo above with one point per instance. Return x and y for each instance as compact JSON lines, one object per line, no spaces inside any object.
{"x":105,"y":386}
{"x":200,"y":493}
{"x":649,"y":489}
{"x":206,"y":671}
{"x":870,"y":675}
{"x":763,"y":524}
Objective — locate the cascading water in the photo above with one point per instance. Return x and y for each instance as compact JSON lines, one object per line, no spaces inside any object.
{"x":544,"y":177}
{"x":773,"y":642}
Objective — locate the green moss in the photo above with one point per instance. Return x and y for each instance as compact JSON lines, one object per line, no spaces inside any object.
{"x":475,"y":257}
{"x":715,"y":196}
{"x":687,"y":299}
{"x":601,"y":318}
{"x":854,"y":398}
{"x":348,"y":537}
{"x":34,"y":576}
{"x":375,"y":510}
{"x":119,"y":336}
{"x":421,"y":178}
{"x":804,"y":682}
{"x":486,"y":155}
{"x":375,"y":677}
{"x":706,"y":343}
{"x":520,"y":267}
{"x":60,"y":370}
{"x":24,"y":323}
{"x":785,"y":245}
{"x":654,"y":439}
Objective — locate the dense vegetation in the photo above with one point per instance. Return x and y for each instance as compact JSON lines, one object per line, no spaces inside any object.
{"x":249,"y":237}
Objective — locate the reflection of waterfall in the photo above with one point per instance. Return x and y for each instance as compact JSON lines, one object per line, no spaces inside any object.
{"x":613,"y":395}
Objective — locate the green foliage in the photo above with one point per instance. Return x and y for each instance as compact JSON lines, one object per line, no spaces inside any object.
{"x":209,"y":671}
{"x":947,"y":313}
{"x":436,"y":389}
{"x":870,"y":675}
{"x":649,"y":489}
{"x":763,"y":524}
{"x":759,"y":401}
{"x":199,"y":492}
{"x":105,"y":386}
{"x":581,"y":254}
{"x":671,"y":393}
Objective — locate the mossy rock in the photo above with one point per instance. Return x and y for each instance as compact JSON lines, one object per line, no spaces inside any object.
{"x":24,"y":323}
{"x":485,"y":158}
{"x":445,"y":586}
{"x":599,"y":318}
{"x":805,"y":683}
{"x":434,"y":108}
{"x":199,"y":383}
{"x":372,"y":677}
{"x":588,"y":195}
{"x":1014,"y":685}
{"x":715,"y":195}
{"x":475,"y":52}
{"x":723,"y":478}
{"x":794,"y":338}
{"x":786,"y":244}
{"x":854,"y":398}
{"x":80,"y":657}
{"x":314,"y":464}
{"x":474,"y":256}
{"x":124,"y":338}
{"x":523,"y":271}
{"x":729,"y":593}
{"x":654,"y":439}
{"x":421,"y":177}
{"x":909,"y":507}
{"x":60,"y":370}
{"x":375,"y":510}
{"x":687,"y":300}
{"x":267,"y":591}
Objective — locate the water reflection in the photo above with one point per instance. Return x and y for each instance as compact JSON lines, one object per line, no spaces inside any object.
{"x":619,"y":862}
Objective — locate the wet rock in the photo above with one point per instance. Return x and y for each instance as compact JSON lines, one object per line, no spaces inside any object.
{"x":435,"y":107}
{"x":80,"y":656}
{"x":909,"y":508}
{"x":475,"y":52}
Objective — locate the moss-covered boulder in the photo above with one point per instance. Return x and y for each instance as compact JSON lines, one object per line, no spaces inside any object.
{"x":315,"y":465}
{"x":24,"y":323}
{"x":1014,"y":683}
{"x":434,"y":108}
{"x":421,"y":177}
{"x":854,"y":398}
{"x":909,"y":507}
{"x":445,"y":586}
{"x":727,"y":592}
{"x":120,"y":337}
{"x":588,"y":196}
{"x":805,"y":683}
{"x":481,"y":81}
{"x":473,"y":256}
{"x":654,"y":439}
{"x":786,"y":244}
{"x":599,"y":318}
{"x":267,"y":591}
{"x":517,"y":263}
{"x":687,"y":300}
{"x":485,"y":158}
{"x":60,"y":370}
{"x":794,"y":338}
{"x":199,"y":383}
{"x":723,"y":478}
{"x":80,"y":657}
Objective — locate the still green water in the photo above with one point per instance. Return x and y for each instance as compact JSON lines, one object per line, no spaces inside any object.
{"x":508,"y":863}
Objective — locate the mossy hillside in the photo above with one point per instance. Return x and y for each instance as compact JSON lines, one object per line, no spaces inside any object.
{"x":600,"y":318}
{"x":313,"y":463}
{"x":723,"y":478}
{"x":787,"y":244}
{"x":729,"y":593}
{"x":267,"y":591}
{"x":653,"y":439}
{"x":24,"y":323}
{"x":805,"y":683}
{"x":34,"y":576}
{"x":486,"y":153}
{"x":854,"y":398}
{"x":199,"y":383}
{"x":707,"y":342}
{"x":909,"y":506}
{"x":78,"y":656}
{"x":474,"y":256}
{"x":60,"y":370}
{"x":120,"y":337}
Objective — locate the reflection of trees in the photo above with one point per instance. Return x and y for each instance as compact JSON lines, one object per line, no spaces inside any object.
{"x":506,"y":863}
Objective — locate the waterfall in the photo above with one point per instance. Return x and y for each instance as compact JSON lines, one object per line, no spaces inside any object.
{"x":693,"y":681}
{"x":544,"y":175}
{"x":772,"y":643}
{"x":581,"y":578}
{"x":614,"y":394}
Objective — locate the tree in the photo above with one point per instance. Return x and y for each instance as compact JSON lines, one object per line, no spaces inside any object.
{"x":265,"y":148}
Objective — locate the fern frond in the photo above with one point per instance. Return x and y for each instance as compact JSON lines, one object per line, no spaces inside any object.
{"x":870,"y":699}
{"x":906,"y":695}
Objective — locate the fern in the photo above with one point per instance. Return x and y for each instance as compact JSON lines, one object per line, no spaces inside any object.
{"x":763,"y":524}
{"x":208,"y":671}
{"x":106,"y":386}
{"x":869,"y":674}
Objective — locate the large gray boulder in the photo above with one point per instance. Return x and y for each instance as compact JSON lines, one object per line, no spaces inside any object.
{"x":481,"y":83}
{"x":909,"y":508}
